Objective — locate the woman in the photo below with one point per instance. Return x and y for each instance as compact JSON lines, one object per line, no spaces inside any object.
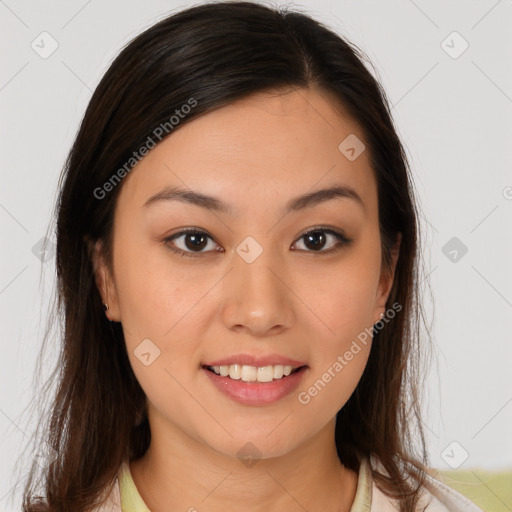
{"x":237,"y":255}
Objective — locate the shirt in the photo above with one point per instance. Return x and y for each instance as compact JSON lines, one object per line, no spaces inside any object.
{"x":125,"y":497}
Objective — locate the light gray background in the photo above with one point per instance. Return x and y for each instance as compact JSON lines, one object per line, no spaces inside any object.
{"x":454,"y":117}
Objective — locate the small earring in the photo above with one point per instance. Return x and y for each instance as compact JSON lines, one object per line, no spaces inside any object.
{"x":105,"y":307}
{"x":381,"y":317}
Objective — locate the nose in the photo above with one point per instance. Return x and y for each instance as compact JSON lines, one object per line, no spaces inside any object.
{"x":257,"y":297}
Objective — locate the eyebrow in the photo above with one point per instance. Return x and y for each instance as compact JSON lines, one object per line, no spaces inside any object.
{"x":298,"y":203}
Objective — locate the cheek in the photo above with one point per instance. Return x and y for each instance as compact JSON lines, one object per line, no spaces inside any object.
{"x":157,"y":304}
{"x":339,"y":357}
{"x":341,"y":299}
{"x":153,"y":294}
{"x":328,"y":391}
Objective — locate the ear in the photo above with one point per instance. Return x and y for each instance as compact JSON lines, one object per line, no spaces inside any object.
{"x":386,"y":280}
{"x":104,"y":280}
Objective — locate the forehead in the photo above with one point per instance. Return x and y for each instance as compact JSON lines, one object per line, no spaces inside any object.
{"x":258,"y":151}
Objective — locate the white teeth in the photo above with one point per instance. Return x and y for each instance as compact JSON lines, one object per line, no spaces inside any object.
{"x":278,"y":371}
{"x":265,"y":374}
{"x":252,"y":373}
{"x":234,"y":371}
{"x":249,"y":373}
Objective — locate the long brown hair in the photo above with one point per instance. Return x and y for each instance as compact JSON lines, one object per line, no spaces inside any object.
{"x":217,"y":53}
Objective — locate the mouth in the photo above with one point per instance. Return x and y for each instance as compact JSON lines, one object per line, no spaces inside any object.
{"x":254,"y":374}
{"x":255,"y":385}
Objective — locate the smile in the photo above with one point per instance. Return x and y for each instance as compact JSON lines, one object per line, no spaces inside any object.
{"x":248,"y":373}
{"x":255,"y":392}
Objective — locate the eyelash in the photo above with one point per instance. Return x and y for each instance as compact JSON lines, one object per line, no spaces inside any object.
{"x":343,"y":241}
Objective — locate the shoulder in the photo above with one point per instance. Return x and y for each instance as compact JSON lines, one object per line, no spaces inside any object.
{"x":436,"y":496}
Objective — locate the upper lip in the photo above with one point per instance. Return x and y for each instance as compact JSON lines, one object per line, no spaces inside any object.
{"x":249,"y":360}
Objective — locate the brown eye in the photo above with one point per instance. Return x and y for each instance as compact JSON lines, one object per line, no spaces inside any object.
{"x":195,"y":241}
{"x":316,"y":240}
{"x":190,"y":242}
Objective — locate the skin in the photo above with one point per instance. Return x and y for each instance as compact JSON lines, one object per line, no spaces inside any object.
{"x":255,"y":154}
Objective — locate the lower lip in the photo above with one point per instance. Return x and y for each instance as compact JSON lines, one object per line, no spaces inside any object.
{"x":257,"y":393}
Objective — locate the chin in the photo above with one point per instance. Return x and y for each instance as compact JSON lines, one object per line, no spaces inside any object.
{"x":251,"y":447}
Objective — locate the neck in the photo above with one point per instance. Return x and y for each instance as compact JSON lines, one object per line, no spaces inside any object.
{"x":179,"y":473}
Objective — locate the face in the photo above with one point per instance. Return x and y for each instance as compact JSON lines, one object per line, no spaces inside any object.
{"x":265,"y":277}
